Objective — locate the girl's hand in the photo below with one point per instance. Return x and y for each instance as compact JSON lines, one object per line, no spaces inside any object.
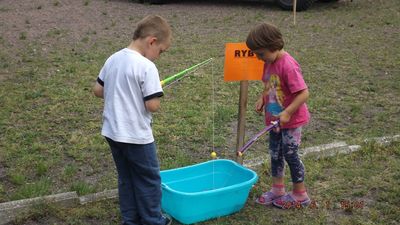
{"x":284,"y":117}
{"x":260,"y":105}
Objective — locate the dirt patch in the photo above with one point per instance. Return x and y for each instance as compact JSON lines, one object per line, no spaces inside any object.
{"x":4,"y":76}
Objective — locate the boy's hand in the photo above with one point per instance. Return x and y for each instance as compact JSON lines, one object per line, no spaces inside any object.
{"x":260,"y":105}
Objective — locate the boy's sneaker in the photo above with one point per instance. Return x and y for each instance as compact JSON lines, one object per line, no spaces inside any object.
{"x":288,"y":202}
{"x":168,"y":219}
{"x":267,"y":198}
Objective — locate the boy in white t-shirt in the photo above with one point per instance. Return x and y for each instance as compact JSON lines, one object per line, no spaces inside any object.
{"x":130,"y":85}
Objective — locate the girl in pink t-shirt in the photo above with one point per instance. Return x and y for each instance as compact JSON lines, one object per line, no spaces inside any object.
{"x":283,"y":98}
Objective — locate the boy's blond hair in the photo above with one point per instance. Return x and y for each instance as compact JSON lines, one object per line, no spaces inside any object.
{"x":265,"y":36}
{"x":152,"y":26}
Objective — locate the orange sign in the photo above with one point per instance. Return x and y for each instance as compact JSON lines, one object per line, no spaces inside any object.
{"x":241,"y":63}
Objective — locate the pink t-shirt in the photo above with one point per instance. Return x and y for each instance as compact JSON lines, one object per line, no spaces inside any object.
{"x":286,"y":80}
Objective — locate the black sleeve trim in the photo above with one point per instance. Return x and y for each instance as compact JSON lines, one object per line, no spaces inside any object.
{"x":100,"y":81}
{"x":155,"y":95}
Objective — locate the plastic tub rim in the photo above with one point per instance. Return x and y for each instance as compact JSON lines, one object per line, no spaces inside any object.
{"x":215,"y":191}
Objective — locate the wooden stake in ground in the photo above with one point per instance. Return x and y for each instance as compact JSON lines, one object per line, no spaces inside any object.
{"x":241,"y":64}
{"x":244,"y":86}
{"x":294,"y":11}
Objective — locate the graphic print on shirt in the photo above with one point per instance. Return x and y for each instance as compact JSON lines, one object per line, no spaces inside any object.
{"x":276,"y":97}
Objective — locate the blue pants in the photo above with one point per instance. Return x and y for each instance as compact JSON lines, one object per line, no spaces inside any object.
{"x":284,"y":145}
{"x":139,"y":183}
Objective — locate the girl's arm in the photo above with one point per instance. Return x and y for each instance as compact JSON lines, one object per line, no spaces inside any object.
{"x":300,"y":98}
{"x":260,"y":102}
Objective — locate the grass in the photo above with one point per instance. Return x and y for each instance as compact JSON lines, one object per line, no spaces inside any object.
{"x":355,"y":191}
{"x":50,"y":123}
{"x":55,"y":32}
{"x":22,"y":36}
{"x":38,"y":188}
{"x":82,"y":188}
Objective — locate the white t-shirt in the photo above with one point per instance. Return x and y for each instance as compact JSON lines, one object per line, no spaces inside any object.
{"x":129,"y":79}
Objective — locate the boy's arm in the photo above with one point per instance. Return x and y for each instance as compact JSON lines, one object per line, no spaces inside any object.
{"x":153,"y":105}
{"x":98,"y":90}
{"x":151,"y":89}
{"x":300,"y":98}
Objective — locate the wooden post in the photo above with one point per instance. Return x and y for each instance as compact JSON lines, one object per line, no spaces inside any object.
{"x":244,"y":86}
{"x":241,"y":65}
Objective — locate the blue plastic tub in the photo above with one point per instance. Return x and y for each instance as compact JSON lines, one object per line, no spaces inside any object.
{"x":207,"y":190}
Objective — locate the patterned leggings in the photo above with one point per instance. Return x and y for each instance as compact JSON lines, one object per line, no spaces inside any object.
{"x":284,"y":145}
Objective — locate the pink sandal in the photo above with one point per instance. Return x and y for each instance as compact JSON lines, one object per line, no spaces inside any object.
{"x":267,"y":198}
{"x":288,"y":201}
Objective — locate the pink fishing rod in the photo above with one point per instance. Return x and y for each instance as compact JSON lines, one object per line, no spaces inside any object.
{"x":258,"y":135}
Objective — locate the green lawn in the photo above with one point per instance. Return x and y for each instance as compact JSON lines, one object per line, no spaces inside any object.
{"x":362,"y":188}
{"x":50,"y":122}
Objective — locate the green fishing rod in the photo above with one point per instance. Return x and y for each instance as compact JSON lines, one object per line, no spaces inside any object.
{"x":173,"y":78}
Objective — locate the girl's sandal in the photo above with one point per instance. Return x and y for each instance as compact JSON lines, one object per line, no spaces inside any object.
{"x":267,"y":198}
